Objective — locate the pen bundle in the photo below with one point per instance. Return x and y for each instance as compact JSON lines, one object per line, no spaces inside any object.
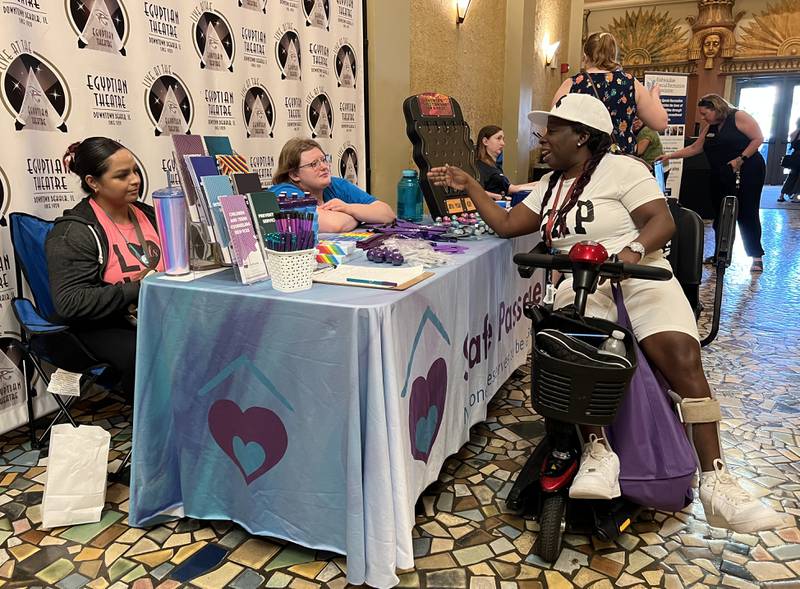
{"x":295,"y":232}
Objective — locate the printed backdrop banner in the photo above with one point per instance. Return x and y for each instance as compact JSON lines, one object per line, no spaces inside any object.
{"x":138,"y":71}
{"x":673,"y":97}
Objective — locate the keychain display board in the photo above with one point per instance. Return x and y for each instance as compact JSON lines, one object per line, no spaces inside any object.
{"x":440,"y":136}
{"x":138,"y":71}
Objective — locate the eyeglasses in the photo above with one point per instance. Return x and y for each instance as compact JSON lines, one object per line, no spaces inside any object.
{"x":706,"y":104}
{"x":325,"y":159}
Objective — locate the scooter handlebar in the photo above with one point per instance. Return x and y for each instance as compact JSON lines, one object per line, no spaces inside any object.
{"x":610,"y":269}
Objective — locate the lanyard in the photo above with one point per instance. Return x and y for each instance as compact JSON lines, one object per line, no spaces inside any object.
{"x":143,"y":257}
{"x":551,"y":217}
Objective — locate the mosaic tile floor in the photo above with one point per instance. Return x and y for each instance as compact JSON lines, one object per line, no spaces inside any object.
{"x":464,"y":536}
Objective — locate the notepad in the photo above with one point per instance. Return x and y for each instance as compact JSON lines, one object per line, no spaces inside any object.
{"x":371,"y":275}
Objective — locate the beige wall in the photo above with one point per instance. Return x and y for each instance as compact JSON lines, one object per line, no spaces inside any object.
{"x":463,"y":61}
{"x":388,"y":25}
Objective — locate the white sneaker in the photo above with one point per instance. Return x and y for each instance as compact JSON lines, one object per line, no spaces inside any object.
{"x":598,"y":475}
{"x":729,"y":506}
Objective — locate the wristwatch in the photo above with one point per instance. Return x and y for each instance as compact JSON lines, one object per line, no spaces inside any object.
{"x":637,"y":248}
{"x":743,"y":157}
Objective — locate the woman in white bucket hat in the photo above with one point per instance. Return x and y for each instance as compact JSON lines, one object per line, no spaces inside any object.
{"x":614,"y":200}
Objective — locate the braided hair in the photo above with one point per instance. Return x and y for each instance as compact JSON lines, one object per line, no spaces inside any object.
{"x":599,"y":145}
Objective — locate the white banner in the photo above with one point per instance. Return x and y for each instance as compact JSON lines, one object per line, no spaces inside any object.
{"x":258,"y":71}
{"x":673,"y":97}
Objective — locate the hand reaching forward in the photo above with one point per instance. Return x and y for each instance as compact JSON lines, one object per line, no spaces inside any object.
{"x":451,"y":176}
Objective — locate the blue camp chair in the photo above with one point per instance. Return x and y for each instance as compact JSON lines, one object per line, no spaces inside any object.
{"x":41,"y":339}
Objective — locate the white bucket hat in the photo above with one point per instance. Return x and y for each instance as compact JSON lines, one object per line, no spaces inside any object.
{"x":577,"y":108}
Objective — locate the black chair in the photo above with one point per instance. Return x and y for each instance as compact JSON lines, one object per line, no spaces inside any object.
{"x":686,"y":255}
{"x":42,"y":340}
{"x":686,"y":252}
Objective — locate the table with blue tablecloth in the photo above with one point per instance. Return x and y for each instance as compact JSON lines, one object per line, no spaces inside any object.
{"x":320,"y":416}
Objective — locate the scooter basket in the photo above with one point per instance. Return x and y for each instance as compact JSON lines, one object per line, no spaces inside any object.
{"x":573,"y":392}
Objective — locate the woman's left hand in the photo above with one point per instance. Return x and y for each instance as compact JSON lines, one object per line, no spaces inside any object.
{"x":336,"y":205}
{"x":629,"y":257}
{"x":736,"y":163}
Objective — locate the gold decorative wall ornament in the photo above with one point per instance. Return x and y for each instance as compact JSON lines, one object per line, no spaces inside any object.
{"x":773,"y":32}
{"x":648,"y":36}
{"x":714,"y":13}
{"x":727,"y":42}
{"x":756,"y":65}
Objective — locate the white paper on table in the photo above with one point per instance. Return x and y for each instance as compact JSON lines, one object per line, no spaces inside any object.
{"x":382,"y":273}
{"x":63,"y":382}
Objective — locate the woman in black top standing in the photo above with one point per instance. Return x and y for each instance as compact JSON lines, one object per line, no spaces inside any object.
{"x":790,"y":186}
{"x":488,"y":148}
{"x":730,"y":140}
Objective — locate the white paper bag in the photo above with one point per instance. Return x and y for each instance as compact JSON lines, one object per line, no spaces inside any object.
{"x":75,"y":489}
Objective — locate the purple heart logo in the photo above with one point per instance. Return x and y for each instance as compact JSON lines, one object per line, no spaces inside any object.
{"x":255,"y":440}
{"x":426,"y":409}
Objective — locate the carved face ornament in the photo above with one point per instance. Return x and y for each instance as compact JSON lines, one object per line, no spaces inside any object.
{"x":711,"y":45}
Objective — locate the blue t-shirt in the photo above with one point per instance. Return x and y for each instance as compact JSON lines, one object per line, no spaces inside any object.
{"x":340,"y":188}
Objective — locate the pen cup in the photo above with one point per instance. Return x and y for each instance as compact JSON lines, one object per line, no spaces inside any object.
{"x":291,"y":271}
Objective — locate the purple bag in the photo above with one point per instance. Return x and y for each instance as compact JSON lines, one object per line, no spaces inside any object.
{"x":657,"y":461}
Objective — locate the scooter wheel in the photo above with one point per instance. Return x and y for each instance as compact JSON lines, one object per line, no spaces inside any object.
{"x":551,"y":527}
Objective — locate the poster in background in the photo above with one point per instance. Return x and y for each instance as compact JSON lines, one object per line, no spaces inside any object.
{"x":138,"y":71}
{"x":673,"y":97}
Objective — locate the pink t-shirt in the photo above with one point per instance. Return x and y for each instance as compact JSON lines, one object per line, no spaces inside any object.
{"x":122,"y":264}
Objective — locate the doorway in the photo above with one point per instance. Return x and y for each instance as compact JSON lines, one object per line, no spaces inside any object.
{"x":774,"y":102}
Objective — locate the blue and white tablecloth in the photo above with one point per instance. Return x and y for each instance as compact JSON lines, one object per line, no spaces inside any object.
{"x":319,"y":417}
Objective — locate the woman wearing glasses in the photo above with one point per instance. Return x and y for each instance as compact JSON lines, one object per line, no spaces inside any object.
{"x":304,"y":167}
{"x":730,"y":140}
{"x":99,"y":251}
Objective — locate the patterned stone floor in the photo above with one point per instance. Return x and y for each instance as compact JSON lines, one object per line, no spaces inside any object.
{"x":464,"y":535}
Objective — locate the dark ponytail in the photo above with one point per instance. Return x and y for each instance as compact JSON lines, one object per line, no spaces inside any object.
{"x":90,"y":158}
{"x":599,"y":145}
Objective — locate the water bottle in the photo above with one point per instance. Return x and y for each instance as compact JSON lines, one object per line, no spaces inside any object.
{"x":172,"y":220}
{"x":614,"y":344}
{"x":409,"y":197}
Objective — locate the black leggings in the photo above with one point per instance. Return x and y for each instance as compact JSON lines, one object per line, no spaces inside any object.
{"x":115,"y":344}
{"x":790,"y":185}
{"x":723,"y":184}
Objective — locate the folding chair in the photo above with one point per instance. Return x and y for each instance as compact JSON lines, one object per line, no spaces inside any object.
{"x":41,"y":339}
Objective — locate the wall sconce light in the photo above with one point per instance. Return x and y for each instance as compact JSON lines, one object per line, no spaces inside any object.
{"x":550,"y":52}
{"x":461,"y":10}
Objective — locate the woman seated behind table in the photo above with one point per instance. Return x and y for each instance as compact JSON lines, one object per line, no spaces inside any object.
{"x":99,"y":251}
{"x":304,"y":167}
{"x":613,"y":199}
{"x":488,"y":147}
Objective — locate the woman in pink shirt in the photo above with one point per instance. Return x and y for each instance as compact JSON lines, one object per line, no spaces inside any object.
{"x":99,"y":251}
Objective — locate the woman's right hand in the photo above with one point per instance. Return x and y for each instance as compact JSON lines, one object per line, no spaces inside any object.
{"x":664,"y":157}
{"x":451,"y":176}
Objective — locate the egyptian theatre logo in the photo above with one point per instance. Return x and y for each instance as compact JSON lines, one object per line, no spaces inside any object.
{"x":99,"y":24}
{"x":345,"y":66}
{"x":34,"y":92}
{"x":213,"y":39}
{"x":348,"y":164}
{"x":320,"y":116}
{"x":318,"y":13}
{"x":287,"y":53}
{"x":259,"y":111}
{"x":259,"y":5}
{"x":169,"y":104}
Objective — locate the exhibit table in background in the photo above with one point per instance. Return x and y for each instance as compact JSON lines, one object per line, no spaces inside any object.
{"x":320,"y":416}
